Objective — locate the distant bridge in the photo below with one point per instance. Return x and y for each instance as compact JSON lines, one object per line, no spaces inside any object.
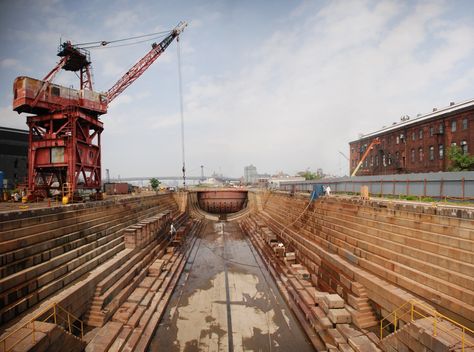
{"x":167,"y":178}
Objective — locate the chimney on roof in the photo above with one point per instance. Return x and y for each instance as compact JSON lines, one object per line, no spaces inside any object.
{"x":418,"y":115}
{"x":435,"y":109}
{"x":451,"y":103}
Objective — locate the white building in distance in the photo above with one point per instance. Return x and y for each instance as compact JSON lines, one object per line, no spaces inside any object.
{"x":250,"y":174}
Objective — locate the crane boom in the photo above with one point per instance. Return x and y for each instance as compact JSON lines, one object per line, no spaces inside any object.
{"x":145,"y":62}
{"x":369,"y":148}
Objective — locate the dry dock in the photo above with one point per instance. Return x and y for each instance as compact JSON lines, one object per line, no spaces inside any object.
{"x":227,"y":288}
{"x":282,"y":273}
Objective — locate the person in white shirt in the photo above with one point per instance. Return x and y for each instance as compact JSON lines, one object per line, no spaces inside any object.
{"x":328,"y":191}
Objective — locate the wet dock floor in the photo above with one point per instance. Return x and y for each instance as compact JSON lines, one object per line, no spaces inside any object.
{"x":226,"y":287}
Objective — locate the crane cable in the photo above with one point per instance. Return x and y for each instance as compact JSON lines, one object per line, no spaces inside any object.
{"x":180,"y":83}
{"x":101,"y":43}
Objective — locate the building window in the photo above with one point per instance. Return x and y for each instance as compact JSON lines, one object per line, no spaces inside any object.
{"x":372,"y":160}
{"x":464,"y":124}
{"x":413,"y":155}
{"x":413,"y":136}
{"x":389,"y":159}
{"x":376,"y":160}
{"x":55,"y":91}
{"x":420,"y":154}
{"x":384,"y":162}
{"x":464,"y":147}
{"x":441,"y":129}
{"x":420,"y":134}
{"x":431,"y":131}
{"x":398,"y":140}
{"x":431,"y":152}
{"x":441,"y":151}
{"x":453,"y":144}
{"x":453,"y":126}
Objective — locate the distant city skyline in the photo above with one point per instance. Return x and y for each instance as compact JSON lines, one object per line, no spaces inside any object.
{"x":283,"y":85}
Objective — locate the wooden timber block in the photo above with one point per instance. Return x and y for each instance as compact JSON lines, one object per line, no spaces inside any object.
{"x":314,"y":278}
{"x":307,"y":298}
{"x":348,"y":331}
{"x":373,"y":337}
{"x":135,"y":318}
{"x":344,"y":347}
{"x":147,"y":282}
{"x":334,"y":301}
{"x":303,"y":274}
{"x":312,"y":291}
{"x":358,"y":289}
{"x":296,"y":267}
{"x":324,"y":306}
{"x":124,"y":312}
{"x":362,"y":344}
{"x":156,"y":268}
{"x":106,"y":336}
{"x":147,"y":299}
{"x":295,"y":283}
{"x":306,"y":284}
{"x":319,"y":296}
{"x":137,"y":295}
{"x":355,"y":302}
{"x":339,"y":316}
{"x":121,"y":339}
{"x":321,"y":319}
{"x":336,"y":336}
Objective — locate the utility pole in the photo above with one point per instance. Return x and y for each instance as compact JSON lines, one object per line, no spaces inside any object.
{"x":202,"y":172}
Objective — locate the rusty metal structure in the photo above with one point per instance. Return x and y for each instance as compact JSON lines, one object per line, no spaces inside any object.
{"x":65,"y":128}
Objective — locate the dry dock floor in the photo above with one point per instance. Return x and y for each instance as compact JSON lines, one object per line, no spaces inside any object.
{"x":225,"y":287}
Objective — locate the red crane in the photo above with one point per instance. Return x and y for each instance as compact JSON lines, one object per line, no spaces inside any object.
{"x":64,"y":131}
{"x":371,"y":146}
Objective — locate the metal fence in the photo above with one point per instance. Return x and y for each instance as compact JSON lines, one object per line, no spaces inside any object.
{"x":440,"y":185}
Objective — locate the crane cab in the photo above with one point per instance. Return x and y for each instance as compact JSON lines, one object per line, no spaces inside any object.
{"x":53,"y":97}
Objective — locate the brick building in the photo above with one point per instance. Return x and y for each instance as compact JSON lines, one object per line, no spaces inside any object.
{"x":417,"y":144}
{"x":13,"y":156}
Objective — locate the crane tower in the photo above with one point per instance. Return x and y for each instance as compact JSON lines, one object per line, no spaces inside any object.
{"x":64,"y":128}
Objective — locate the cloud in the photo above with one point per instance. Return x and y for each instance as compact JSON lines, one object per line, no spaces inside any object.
{"x":11,"y":119}
{"x":284,"y":89}
{"x":313,"y":85}
{"x":10,"y":63}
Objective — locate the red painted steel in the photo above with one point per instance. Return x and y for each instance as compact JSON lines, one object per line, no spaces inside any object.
{"x":222,"y":202}
{"x":64,"y":132}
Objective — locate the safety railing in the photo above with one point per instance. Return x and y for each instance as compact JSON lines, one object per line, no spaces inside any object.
{"x":54,"y":313}
{"x":413,"y":309}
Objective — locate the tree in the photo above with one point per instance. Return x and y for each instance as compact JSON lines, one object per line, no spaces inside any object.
{"x":460,"y":161}
{"x":309,"y":175}
{"x":154,"y":183}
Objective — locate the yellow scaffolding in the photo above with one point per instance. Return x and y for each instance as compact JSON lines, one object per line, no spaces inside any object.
{"x":413,"y":309}
{"x":54,"y":312}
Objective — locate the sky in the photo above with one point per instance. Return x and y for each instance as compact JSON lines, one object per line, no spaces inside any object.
{"x":282,"y":85}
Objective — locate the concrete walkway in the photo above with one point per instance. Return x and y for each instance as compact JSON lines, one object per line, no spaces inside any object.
{"x":225,"y":287}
